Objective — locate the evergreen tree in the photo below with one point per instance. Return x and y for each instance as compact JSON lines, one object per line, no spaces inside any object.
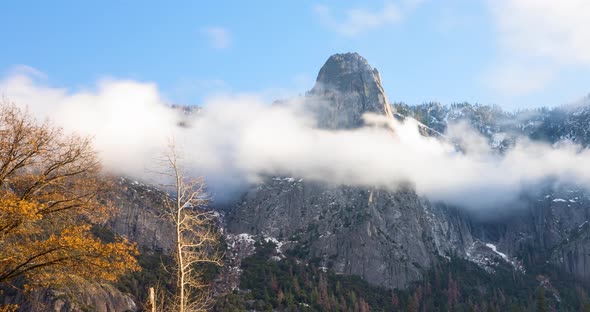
{"x":541,"y":303}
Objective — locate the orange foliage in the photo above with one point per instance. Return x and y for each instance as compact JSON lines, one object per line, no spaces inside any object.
{"x":9,"y":308}
{"x":49,"y":183}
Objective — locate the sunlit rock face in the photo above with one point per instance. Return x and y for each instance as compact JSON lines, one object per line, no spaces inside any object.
{"x":346,"y":88}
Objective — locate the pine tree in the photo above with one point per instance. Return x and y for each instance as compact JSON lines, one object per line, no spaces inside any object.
{"x":515,"y":308}
{"x":363,"y":305}
{"x":413,"y":304}
{"x":541,"y":303}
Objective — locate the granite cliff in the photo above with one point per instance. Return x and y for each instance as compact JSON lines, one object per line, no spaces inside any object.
{"x":388,"y":238}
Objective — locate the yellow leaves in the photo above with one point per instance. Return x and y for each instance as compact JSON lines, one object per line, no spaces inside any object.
{"x":14,"y":208}
{"x":73,"y":251}
{"x":49,"y":187}
{"x":47,"y":249}
{"x":17,"y":215}
{"x":9,"y":308}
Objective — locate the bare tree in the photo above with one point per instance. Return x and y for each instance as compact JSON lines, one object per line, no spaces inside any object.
{"x":196,"y":236}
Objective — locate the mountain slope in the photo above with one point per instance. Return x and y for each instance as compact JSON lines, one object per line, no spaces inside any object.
{"x":550,"y":224}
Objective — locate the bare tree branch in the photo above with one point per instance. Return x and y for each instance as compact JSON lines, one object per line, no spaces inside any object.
{"x":196,"y":237}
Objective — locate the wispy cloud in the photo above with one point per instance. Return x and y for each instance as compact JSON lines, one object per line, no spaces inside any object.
{"x":243,"y":139}
{"x":557,"y":30}
{"x":539,"y":37}
{"x":219,"y":38}
{"x":359,"y":20}
{"x":26,"y":70}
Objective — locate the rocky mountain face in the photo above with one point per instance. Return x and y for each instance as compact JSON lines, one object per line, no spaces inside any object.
{"x":554,"y":226}
{"x":552,"y":223}
{"x":385,"y":237}
{"x":78,"y":296}
{"x":570,"y":122}
{"x":391,"y":238}
{"x":139,"y":216}
{"x":388,"y":238}
{"x":345,"y":89}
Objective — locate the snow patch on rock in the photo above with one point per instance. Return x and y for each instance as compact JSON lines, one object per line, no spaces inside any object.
{"x":487,"y":256}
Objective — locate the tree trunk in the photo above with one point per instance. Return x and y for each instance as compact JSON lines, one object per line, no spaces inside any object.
{"x":152,"y":299}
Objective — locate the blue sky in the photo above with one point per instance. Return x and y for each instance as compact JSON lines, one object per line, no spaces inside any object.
{"x":514,"y":53}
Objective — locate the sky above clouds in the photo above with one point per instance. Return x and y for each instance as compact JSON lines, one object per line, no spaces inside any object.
{"x":514,"y":53}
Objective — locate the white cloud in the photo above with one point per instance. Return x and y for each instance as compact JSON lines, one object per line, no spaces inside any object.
{"x":25,"y":70}
{"x":220,"y":38}
{"x":119,"y":114}
{"x":359,"y":20}
{"x":554,"y":29}
{"x":238,"y":139}
{"x":536,"y":39}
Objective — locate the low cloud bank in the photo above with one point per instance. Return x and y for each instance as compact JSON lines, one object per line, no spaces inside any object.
{"x":236,"y":140}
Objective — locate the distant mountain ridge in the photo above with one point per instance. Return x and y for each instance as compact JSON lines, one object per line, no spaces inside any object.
{"x":566,"y":122}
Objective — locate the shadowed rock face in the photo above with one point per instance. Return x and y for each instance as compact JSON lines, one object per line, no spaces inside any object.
{"x":346,"y":88}
{"x":139,"y":216}
{"x":388,"y":238}
{"x":554,"y":225}
{"x":551,"y":223}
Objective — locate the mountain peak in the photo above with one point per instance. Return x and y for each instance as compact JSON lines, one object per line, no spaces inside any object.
{"x":349,"y":88}
{"x":343,"y":64}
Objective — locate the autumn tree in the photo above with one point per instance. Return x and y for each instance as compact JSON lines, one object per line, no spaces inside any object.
{"x":196,"y":236}
{"x":49,"y":188}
